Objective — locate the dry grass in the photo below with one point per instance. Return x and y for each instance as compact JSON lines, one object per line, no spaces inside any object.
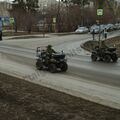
{"x":21,"y":100}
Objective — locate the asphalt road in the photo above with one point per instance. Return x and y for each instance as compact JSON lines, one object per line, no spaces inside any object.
{"x":81,"y":68}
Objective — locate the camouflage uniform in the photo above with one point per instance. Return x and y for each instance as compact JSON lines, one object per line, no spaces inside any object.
{"x":50,"y":50}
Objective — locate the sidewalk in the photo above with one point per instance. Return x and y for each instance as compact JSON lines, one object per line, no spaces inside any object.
{"x":37,"y":35}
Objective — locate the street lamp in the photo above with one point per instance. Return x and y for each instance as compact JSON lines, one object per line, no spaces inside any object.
{"x":82,"y":13}
{"x":58,"y":16}
{"x":67,"y":3}
{"x":44,"y":13}
{"x":99,"y":14}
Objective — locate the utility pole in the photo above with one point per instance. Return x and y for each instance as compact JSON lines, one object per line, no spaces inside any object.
{"x":99,"y":14}
{"x":58,"y":16}
{"x":44,"y":18}
{"x":111,"y":9}
{"x":67,"y":2}
{"x":82,"y":13}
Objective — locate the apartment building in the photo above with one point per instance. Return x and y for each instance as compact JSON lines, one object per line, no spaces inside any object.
{"x":4,"y":7}
{"x":46,"y":3}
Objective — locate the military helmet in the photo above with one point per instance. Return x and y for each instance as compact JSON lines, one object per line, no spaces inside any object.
{"x":49,"y":46}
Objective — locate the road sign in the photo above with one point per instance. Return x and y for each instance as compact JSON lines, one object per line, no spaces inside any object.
{"x":99,"y":12}
{"x":11,"y":20}
{"x":54,"y":20}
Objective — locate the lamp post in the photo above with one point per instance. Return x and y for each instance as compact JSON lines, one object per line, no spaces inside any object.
{"x":0,"y":28}
{"x":82,"y":13}
{"x":14,"y":6}
{"x":58,"y":16}
{"x":44,"y":13}
{"x":99,"y":14}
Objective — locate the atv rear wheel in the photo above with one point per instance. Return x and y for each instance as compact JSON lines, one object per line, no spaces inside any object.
{"x":52,"y":68}
{"x":107,"y":58}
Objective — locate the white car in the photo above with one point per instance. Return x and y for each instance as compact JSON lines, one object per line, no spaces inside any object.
{"x":117,"y":25}
{"x":82,"y":30}
{"x":109,"y":27}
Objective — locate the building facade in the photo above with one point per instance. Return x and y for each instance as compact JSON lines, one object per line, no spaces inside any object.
{"x":46,"y":3}
{"x":4,"y":7}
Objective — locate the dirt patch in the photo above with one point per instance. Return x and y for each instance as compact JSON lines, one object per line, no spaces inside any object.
{"x":113,"y":41}
{"x":22,"y":100}
{"x":89,"y":45}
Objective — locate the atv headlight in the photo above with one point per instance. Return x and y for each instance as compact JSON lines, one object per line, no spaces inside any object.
{"x":53,"y":60}
{"x":65,"y":59}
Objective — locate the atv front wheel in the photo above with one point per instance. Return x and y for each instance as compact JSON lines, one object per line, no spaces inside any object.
{"x":94,"y":57}
{"x":63,"y":66}
{"x":114,"y":58}
{"x":39,"y":65}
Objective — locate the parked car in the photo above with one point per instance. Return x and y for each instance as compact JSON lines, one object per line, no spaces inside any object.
{"x":117,"y":26}
{"x":82,"y":30}
{"x":94,"y":28}
{"x":102,"y":27}
{"x":109,"y":27}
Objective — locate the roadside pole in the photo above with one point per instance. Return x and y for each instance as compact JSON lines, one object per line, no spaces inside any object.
{"x":99,"y":34}
{"x":54,"y":24}
{"x":0,"y":29}
{"x":44,"y":18}
{"x":44,"y":28}
{"x":99,"y":14}
{"x":58,"y":16}
{"x":12,"y":22}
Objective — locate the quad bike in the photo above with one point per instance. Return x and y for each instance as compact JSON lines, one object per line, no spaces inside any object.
{"x":52,"y":62}
{"x":104,"y":54}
